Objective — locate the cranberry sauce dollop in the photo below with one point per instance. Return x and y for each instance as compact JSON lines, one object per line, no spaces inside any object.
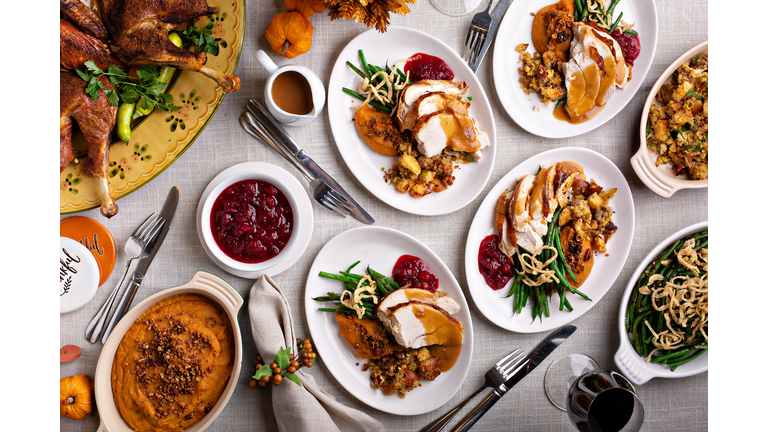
{"x":415,"y":272}
{"x":251,"y":221}
{"x":630,"y":45}
{"x":424,"y":66}
{"x":495,"y":267}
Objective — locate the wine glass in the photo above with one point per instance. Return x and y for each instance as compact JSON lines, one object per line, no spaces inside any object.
{"x":596,"y":400}
{"x":457,"y":7}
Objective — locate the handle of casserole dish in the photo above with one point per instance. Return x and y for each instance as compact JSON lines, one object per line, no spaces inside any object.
{"x":102,"y":427}
{"x":629,"y":362}
{"x":649,"y":175}
{"x":228,"y":295}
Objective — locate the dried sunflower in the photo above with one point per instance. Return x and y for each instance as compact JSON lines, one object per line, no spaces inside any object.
{"x":372,"y":13}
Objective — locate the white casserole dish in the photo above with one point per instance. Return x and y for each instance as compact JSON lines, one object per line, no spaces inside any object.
{"x":202,"y":283}
{"x":662,"y":180}
{"x":631,"y":364}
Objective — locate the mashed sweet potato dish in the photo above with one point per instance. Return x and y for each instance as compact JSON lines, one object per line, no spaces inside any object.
{"x":173,"y":364}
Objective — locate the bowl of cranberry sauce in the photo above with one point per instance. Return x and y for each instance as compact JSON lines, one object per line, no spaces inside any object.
{"x":249,"y":222}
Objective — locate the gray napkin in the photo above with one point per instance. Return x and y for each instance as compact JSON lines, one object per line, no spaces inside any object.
{"x":311,"y":407}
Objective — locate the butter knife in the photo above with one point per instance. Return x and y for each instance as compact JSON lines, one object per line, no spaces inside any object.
{"x":533,"y":359}
{"x":294,"y":150}
{"x":496,"y":16}
{"x":167,"y":213}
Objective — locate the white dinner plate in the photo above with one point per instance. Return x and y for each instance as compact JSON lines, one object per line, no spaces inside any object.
{"x":516,"y":28}
{"x":493,"y":304}
{"x":380,"y":248}
{"x":631,"y":364}
{"x":379,"y":49}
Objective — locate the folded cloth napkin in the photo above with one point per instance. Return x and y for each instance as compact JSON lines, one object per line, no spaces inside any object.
{"x":311,"y":407}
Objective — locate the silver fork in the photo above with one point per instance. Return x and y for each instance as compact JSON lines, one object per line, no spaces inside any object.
{"x":321,"y":192}
{"x":478,"y":30}
{"x":290,"y":149}
{"x":133,"y":249}
{"x":495,"y":377}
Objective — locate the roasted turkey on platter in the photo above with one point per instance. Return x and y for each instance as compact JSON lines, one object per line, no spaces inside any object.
{"x":121,"y":33}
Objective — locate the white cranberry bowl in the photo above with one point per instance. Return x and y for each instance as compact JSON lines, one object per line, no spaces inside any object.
{"x":252,"y":217}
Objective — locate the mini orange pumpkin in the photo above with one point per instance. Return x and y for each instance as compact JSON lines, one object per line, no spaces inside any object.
{"x":76,"y":394}
{"x":289,"y":34}
{"x":306,"y":8}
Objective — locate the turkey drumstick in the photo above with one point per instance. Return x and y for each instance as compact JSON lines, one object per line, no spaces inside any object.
{"x":96,"y":118}
{"x":139,"y":30}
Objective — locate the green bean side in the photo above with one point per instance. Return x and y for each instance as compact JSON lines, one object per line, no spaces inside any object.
{"x":367,"y":70}
{"x":640,"y":308}
{"x":541,"y":296}
{"x":350,"y":280}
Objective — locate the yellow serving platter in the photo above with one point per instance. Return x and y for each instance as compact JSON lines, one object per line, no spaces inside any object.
{"x":163,"y":136}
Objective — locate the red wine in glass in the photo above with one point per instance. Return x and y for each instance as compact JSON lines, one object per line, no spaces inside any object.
{"x":604,"y":401}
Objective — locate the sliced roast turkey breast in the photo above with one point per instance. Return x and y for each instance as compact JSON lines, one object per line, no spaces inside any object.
{"x":418,"y":318}
{"x":507,"y":237}
{"x":622,"y":68}
{"x":566,"y":173}
{"x":407,"y":295}
{"x":542,"y":202}
{"x":451,"y":127}
{"x":582,"y":76}
{"x":599,"y":46}
{"x":518,"y":209}
{"x":412,"y":92}
{"x":529,"y":239}
{"x":427,"y":104}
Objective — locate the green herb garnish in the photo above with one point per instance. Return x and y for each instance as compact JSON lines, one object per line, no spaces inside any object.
{"x":696,"y":148}
{"x":129,"y":89}
{"x":282,"y":359}
{"x":202,"y":38}
{"x":691,"y":93}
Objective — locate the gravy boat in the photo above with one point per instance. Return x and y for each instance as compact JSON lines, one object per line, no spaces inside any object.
{"x":315,"y":84}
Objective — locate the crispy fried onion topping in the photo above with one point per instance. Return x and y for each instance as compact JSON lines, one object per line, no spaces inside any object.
{"x":684,"y":301}
{"x":535,"y":268}
{"x":372,"y":91}
{"x":352,"y":300}
{"x":604,"y":19}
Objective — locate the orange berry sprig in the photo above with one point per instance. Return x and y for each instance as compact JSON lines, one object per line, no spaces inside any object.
{"x":285,"y":365}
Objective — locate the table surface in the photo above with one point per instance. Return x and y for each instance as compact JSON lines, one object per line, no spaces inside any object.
{"x":679,"y":404}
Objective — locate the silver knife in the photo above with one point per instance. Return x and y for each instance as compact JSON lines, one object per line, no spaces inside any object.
{"x":496,"y":16}
{"x":167,"y":213}
{"x":356,"y":210}
{"x":533,"y":359}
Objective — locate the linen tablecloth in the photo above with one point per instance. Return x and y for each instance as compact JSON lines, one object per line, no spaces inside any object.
{"x":679,"y":404}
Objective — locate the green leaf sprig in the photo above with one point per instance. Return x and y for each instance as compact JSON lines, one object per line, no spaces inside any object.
{"x":285,"y":365}
{"x":202,"y":39}
{"x":129,"y":89}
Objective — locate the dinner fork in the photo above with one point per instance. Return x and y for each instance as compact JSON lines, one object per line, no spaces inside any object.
{"x":134,"y":247}
{"x":321,"y":192}
{"x":478,"y":30}
{"x":495,"y":377}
